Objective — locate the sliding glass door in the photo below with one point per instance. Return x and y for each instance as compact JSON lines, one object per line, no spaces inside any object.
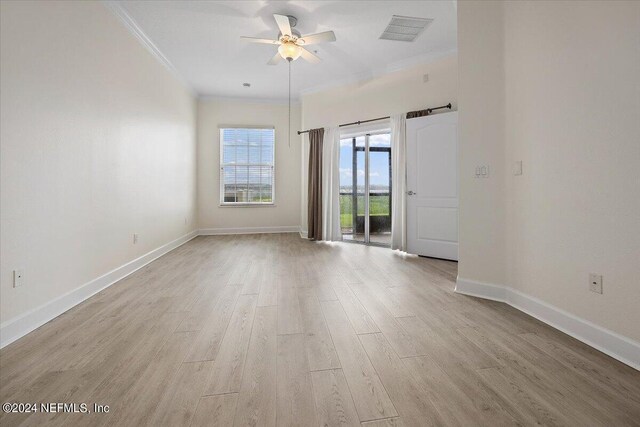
{"x":365,"y":188}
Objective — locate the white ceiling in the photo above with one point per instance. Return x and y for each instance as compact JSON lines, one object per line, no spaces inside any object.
{"x":202,"y":41}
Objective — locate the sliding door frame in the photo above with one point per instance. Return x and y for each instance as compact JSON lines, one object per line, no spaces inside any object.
{"x":367,"y":186}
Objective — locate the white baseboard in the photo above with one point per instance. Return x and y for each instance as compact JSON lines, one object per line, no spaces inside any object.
{"x":615,"y":345}
{"x":303,"y":233}
{"x":21,"y":325}
{"x":480,"y":289}
{"x":248,"y":230}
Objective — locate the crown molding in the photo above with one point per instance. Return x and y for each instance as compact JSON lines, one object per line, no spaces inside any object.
{"x":248,"y":100}
{"x":394,"y":67}
{"x":120,"y":12}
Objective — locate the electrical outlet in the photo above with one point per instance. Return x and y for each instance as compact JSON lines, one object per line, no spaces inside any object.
{"x":595,"y":283}
{"x":135,"y":238}
{"x":18,"y":278}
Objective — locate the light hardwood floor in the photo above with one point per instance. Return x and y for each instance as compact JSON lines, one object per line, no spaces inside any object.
{"x":276,"y":330}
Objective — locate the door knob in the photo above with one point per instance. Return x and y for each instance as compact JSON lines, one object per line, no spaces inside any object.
{"x":411,"y":193}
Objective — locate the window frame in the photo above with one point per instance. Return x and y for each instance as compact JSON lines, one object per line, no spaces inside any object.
{"x":221,"y":201}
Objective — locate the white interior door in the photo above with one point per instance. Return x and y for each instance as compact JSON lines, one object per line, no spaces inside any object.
{"x":432,"y":186}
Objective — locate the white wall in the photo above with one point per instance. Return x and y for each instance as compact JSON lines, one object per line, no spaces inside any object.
{"x":481,"y":240}
{"x":567,"y":73}
{"x":213,"y":113}
{"x":398,"y":92}
{"x":573,"y":118}
{"x":97,"y":143}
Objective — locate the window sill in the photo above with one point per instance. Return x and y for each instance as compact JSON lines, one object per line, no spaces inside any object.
{"x":247,"y":205}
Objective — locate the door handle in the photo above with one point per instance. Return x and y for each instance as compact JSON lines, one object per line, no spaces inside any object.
{"x":411,"y":193}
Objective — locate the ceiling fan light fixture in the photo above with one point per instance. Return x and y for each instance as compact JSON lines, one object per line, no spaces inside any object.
{"x":289,"y":51}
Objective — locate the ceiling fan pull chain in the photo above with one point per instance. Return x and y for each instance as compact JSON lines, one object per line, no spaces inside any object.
{"x":289,"y":62}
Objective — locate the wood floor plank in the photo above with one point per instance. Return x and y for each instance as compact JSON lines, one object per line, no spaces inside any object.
{"x":75,"y":350}
{"x":377,"y":282}
{"x":323,"y":286}
{"x":22,"y":355}
{"x":308,"y":334}
{"x":178,"y":404}
{"x":525,"y":405}
{"x":49,"y":335}
{"x":402,"y":342}
{"x":93,"y":342}
{"x":129,"y":368}
{"x":226,"y":375}
{"x":408,"y":395}
{"x":237,"y":275}
{"x":348,"y":274}
{"x":209,"y":338}
{"x":358,"y":316}
{"x":257,"y":397}
{"x":140,"y":402}
{"x":387,"y":422}
{"x":435,"y":336}
{"x":370,"y":397}
{"x":463,"y":376}
{"x":108,"y":378}
{"x":537,"y":381}
{"x":253,"y":280}
{"x":268,"y":294}
{"x":295,"y":401}
{"x":450,"y":400}
{"x":593,"y":394}
{"x":200,"y":311}
{"x":333,"y":400}
{"x":215,"y":411}
{"x":605,"y":374}
{"x":318,"y":344}
{"x":289,"y":317}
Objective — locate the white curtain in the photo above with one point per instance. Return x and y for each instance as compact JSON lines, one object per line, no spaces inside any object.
{"x":399,"y":180}
{"x":331,"y":184}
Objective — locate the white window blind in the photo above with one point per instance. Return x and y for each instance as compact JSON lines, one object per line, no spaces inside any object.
{"x":247,"y":166}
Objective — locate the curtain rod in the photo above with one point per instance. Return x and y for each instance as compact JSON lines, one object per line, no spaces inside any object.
{"x":429,"y":111}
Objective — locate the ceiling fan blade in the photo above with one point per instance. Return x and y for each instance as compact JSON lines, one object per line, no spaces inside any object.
{"x":327,"y":36}
{"x":276,"y":58}
{"x":283,"y":24}
{"x":308,"y":56}
{"x":257,"y":40}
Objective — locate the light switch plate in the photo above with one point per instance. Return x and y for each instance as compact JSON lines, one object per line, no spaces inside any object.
{"x":18,"y":278}
{"x":482,"y":171}
{"x":517,"y":168}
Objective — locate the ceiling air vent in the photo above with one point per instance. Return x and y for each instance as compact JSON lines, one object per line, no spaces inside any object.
{"x":405,"y":28}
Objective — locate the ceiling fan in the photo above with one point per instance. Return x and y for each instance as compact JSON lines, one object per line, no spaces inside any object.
{"x":291,"y":42}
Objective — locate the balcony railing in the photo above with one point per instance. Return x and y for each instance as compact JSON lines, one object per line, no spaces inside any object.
{"x":379,"y":212}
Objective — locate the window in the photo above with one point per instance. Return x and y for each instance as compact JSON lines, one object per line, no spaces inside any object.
{"x":247,"y":166}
